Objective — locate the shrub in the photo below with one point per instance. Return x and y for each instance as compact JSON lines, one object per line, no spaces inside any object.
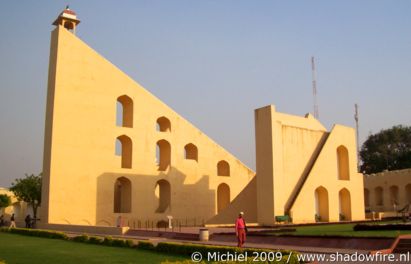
{"x":145,"y":245}
{"x":36,"y":232}
{"x":82,"y":238}
{"x":130,"y":243}
{"x":108,"y":241}
{"x":119,"y":243}
{"x":95,"y":240}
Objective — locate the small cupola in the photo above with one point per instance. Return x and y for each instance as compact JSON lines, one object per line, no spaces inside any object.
{"x":67,"y":19}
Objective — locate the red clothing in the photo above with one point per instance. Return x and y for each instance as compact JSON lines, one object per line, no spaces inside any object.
{"x":239,"y":223}
{"x":240,"y":231}
{"x":241,"y":237}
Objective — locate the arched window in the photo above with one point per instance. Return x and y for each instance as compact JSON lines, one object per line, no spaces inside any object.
{"x":223,"y":168}
{"x":321,"y":204}
{"x":379,"y":194}
{"x":69,"y":26}
{"x":345,"y":204}
{"x":122,"y":195}
{"x":163,"y":194}
{"x":394,"y":196}
{"x":408,"y":193}
{"x":191,"y":152}
{"x":366,"y":197}
{"x":124,"y":116}
{"x":163,"y":124}
{"x":223,"y":196}
{"x":124,"y":148}
{"x":343,"y":163}
{"x":163,"y":154}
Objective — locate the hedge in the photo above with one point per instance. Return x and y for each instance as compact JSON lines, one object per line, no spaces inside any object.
{"x":95,"y":240}
{"x":145,"y":245}
{"x":35,"y":232}
{"x":185,"y":249}
{"x":365,"y":227}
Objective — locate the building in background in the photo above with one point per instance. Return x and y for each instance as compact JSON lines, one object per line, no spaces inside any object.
{"x":18,"y":208}
{"x":388,"y":192}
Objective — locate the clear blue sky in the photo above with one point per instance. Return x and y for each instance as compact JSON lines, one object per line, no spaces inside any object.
{"x":214,"y":62}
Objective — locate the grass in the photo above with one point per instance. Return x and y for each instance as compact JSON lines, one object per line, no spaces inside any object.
{"x":344,"y":230}
{"x":24,"y":249}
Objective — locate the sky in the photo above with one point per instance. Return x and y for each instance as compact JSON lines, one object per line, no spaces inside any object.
{"x":214,"y":62}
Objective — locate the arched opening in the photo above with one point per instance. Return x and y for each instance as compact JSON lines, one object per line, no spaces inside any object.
{"x":366,"y":197}
{"x":124,"y":116}
{"x":345,"y":205}
{"x":223,"y":196}
{"x":321,"y":204}
{"x":408,"y":193}
{"x":124,"y":148}
{"x":379,"y":194}
{"x":163,"y":124}
{"x":69,"y":25}
{"x":163,"y":194}
{"x":394,"y":196}
{"x":122,"y":195}
{"x":223,"y":168}
{"x":191,"y":152}
{"x":343,"y":163}
{"x":163,"y":154}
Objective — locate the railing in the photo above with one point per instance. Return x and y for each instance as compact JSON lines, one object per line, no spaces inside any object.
{"x":163,"y":224}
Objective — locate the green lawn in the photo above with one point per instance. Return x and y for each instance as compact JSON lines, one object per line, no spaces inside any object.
{"x":343,"y":230}
{"x":25,"y":249}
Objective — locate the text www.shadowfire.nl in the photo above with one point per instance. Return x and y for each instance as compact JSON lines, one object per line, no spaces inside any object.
{"x":278,"y":256}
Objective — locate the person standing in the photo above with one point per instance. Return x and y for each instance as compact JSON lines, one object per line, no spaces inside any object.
{"x":240,"y":229}
{"x":12,"y":221}
{"x":28,"y":221}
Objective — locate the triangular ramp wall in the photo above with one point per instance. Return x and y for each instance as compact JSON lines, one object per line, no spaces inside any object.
{"x":245,"y":202}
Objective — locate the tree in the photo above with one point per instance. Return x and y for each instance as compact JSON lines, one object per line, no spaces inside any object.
{"x":28,"y":190}
{"x":389,"y":149}
{"x":5,"y":201}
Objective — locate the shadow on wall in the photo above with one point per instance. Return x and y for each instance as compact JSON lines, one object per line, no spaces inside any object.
{"x":143,"y":200}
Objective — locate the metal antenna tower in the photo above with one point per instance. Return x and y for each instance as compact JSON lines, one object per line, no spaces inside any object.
{"x":316,"y":113}
{"x":358,"y":135}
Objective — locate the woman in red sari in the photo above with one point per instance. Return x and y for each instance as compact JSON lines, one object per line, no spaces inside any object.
{"x":240,"y":229}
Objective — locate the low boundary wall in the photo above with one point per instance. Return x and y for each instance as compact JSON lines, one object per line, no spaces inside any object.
{"x":104,"y":230}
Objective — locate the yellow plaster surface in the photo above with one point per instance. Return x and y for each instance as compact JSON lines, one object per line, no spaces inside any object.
{"x":85,"y":183}
{"x":80,"y":165}
{"x":396,"y":190}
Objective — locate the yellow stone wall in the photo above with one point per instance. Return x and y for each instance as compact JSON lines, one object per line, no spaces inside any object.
{"x":295,"y":156}
{"x":395,"y":187}
{"x":80,"y":165}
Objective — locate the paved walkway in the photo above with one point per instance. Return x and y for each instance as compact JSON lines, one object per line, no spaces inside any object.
{"x":156,"y":240}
